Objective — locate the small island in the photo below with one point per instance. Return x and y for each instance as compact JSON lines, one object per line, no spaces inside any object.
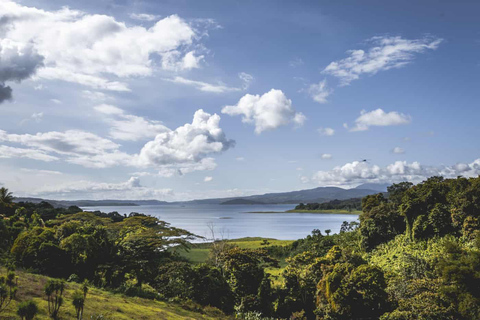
{"x":349,"y":206}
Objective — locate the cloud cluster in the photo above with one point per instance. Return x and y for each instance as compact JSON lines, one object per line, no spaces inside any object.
{"x":386,"y":53}
{"x":380,"y":118}
{"x":91,"y":49}
{"x":183,"y":150}
{"x":188,"y":145}
{"x":358,"y":172}
{"x":129,"y":127}
{"x":18,"y":61}
{"x":268,"y":111}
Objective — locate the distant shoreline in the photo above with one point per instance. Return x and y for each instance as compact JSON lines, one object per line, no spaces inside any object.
{"x":333,"y":211}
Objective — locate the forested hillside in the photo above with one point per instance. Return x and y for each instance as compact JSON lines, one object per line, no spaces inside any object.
{"x":414,"y":255}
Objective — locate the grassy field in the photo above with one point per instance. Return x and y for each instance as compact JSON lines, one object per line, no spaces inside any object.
{"x":333,"y":211}
{"x":199,"y":253}
{"x":99,"y":304}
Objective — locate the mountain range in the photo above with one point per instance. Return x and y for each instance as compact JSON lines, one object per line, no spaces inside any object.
{"x":320,"y":194}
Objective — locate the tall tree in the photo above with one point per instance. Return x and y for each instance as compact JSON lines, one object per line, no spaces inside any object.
{"x":6,"y":200}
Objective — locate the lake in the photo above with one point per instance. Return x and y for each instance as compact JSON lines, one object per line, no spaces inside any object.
{"x":235,"y":221}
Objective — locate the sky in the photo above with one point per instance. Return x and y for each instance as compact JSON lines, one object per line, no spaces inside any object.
{"x":187,"y":99}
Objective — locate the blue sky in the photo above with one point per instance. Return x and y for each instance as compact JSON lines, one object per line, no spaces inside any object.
{"x":99,"y":97}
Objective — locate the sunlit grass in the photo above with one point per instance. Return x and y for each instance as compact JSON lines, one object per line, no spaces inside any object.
{"x":98,"y":303}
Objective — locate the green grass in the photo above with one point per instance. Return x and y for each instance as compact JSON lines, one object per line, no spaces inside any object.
{"x":99,"y":302}
{"x":199,"y":253}
{"x":333,"y":211}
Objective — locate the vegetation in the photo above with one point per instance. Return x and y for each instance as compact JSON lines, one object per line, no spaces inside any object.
{"x":353,"y":205}
{"x":415,"y":254}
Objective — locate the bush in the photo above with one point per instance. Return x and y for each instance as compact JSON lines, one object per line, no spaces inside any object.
{"x":27,"y":310}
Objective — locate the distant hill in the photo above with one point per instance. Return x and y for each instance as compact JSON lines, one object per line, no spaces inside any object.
{"x":316,"y":195}
{"x":379,"y":187}
{"x":241,"y":201}
{"x":91,"y":203}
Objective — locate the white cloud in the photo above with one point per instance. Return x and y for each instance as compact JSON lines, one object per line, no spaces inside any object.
{"x":326,"y":156}
{"x":172,"y":152}
{"x":386,"y":53}
{"x":269,"y":111}
{"x":79,"y":147}
{"x":240,"y":158}
{"x":130,"y":189}
{"x":174,"y":62}
{"x":92,"y":49}
{"x":358,"y":172}
{"x":56,"y":101}
{"x":380,"y":118}
{"x":143,"y":16}
{"x":129,"y":127}
{"x":398,"y":150}
{"x":188,"y":146}
{"x":208,"y":179}
{"x":326,"y":131}
{"x":204,"y":86}
{"x":320,"y":91}
{"x":11,"y":152}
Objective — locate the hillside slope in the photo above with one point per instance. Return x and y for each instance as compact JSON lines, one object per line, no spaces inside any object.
{"x":99,"y":304}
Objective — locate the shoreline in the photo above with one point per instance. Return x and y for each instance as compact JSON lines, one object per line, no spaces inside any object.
{"x":333,"y":211}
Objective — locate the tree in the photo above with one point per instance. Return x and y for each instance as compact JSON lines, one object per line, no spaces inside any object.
{"x":8,"y":289}
{"x":396,"y":191}
{"x":27,"y":310}
{"x":6,"y":200}
{"x":54,"y":292}
{"x":328,"y":232}
{"x":78,"y":301}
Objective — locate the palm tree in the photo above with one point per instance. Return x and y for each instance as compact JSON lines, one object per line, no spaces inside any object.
{"x":6,"y":199}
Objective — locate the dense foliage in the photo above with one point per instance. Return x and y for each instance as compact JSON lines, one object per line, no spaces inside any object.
{"x":353,"y":204}
{"x":414,"y":255}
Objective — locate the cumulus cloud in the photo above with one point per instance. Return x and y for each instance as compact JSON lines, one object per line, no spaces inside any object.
{"x":320,"y":91}
{"x":379,"y":118}
{"x":267,"y":112}
{"x":18,"y":61}
{"x":91,"y":49}
{"x":358,"y":172}
{"x":398,"y":150}
{"x":326,"y":131}
{"x":208,"y":179}
{"x":386,"y":53}
{"x":129,"y":127}
{"x":326,"y":156}
{"x":187,"y":146}
{"x":186,"y":149}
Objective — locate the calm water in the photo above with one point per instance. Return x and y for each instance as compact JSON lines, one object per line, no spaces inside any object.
{"x":235,"y":222}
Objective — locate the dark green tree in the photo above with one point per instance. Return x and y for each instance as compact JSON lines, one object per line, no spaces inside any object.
{"x":27,"y":310}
